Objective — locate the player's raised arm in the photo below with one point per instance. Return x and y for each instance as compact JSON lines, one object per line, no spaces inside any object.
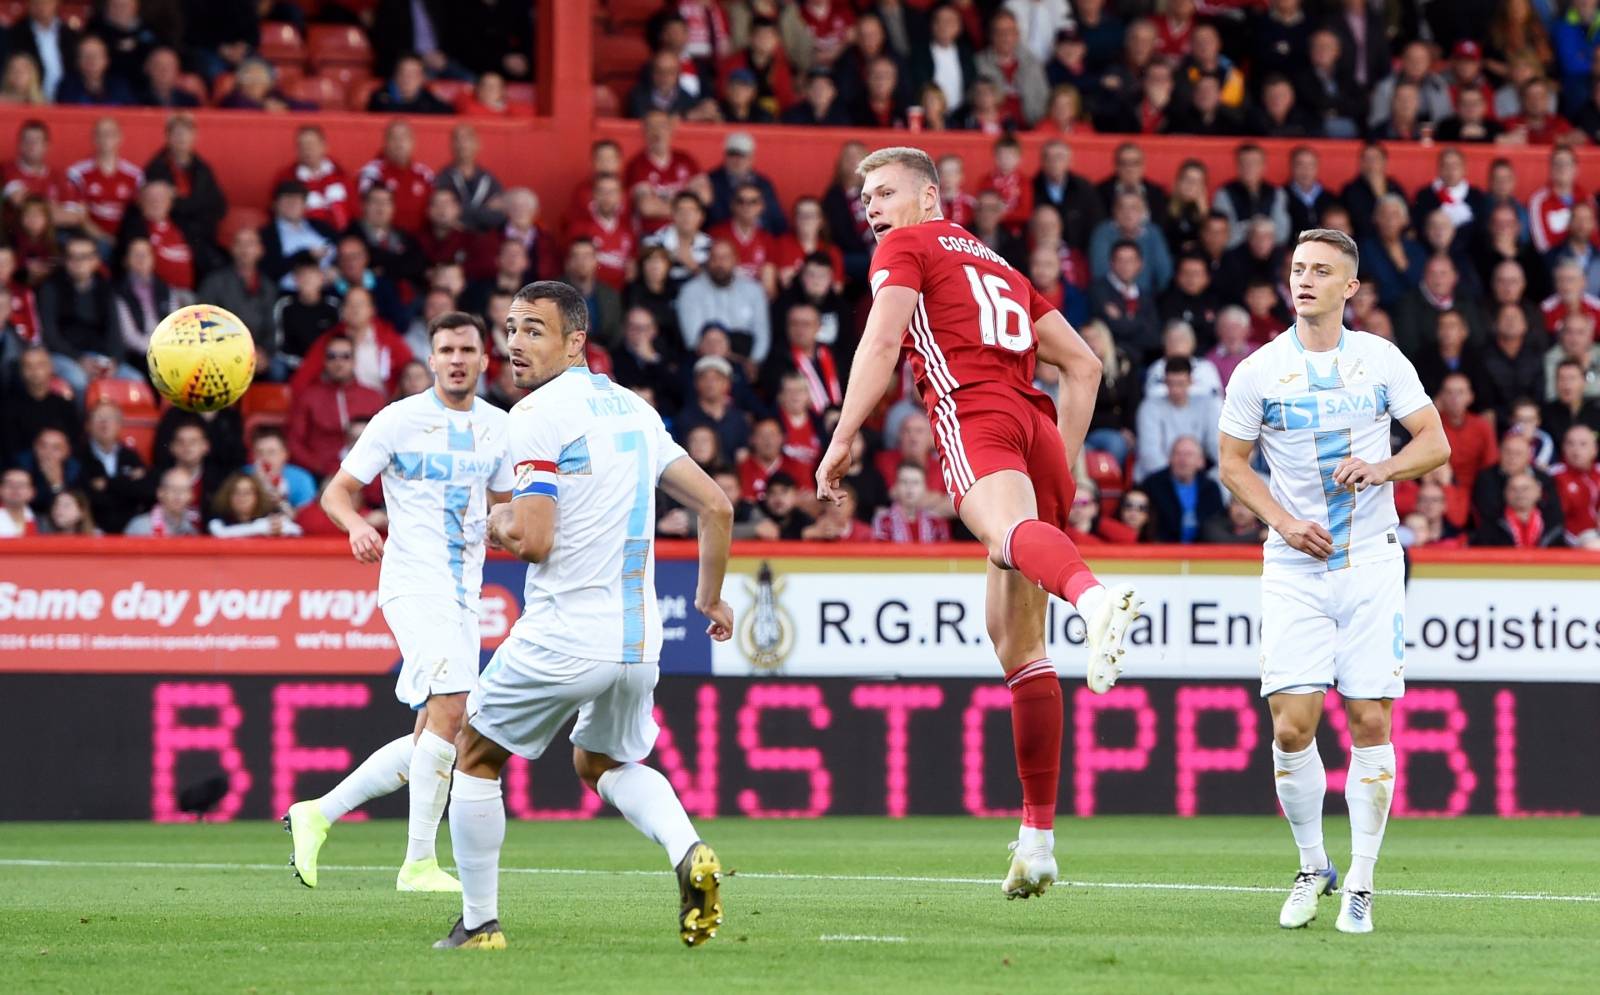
{"x":1061,"y":346}
{"x":686,"y":483}
{"x":871,"y":373}
{"x":339,"y":502}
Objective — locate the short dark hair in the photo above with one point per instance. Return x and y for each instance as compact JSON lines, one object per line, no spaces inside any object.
{"x":268,"y":432}
{"x":1179,"y":364}
{"x":780,"y":479}
{"x":574,"y":312}
{"x":457,"y":319}
{"x":1126,"y":243}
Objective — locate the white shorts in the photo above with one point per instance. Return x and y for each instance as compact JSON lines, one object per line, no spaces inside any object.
{"x":439,"y":647}
{"x":527,"y":693}
{"x":1339,"y":628}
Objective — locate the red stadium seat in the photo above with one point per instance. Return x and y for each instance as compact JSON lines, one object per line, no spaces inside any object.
{"x":617,"y":56}
{"x":359,"y":93}
{"x":281,"y":44}
{"x":327,"y":92}
{"x":631,"y":13}
{"x":520,"y":94}
{"x":264,"y":404}
{"x":619,"y":89}
{"x":135,"y":397}
{"x":347,"y":76}
{"x":338,"y":45}
{"x":141,"y":439}
{"x":1107,"y":476}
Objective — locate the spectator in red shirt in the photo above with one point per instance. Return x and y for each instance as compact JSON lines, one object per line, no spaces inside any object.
{"x":658,"y":171}
{"x":765,"y":458}
{"x":1472,"y":443}
{"x":444,"y":240}
{"x":322,"y":409}
{"x":810,"y":235}
{"x":30,"y":173}
{"x":1537,"y":124}
{"x":907,"y":519}
{"x":609,"y":230}
{"x":1550,"y":207}
{"x":1569,"y":298}
{"x":1577,"y":481}
{"x":839,"y":522}
{"x":1007,"y":180}
{"x":199,"y":203}
{"x":832,"y":26}
{"x":409,"y":181}
{"x":1523,"y":524}
{"x":379,"y":354}
{"x":958,"y":205}
{"x":752,"y":244}
{"x":151,"y":218}
{"x":103,"y":185}
{"x":767,"y":64}
{"x":328,"y":189}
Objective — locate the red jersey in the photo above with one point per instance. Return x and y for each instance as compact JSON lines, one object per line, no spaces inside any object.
{"x":1580,"y":497}
{"x":754,"y":474}
{"x":24,"y":319}
{"x":411,"y":186}
{"x":1549,"y":214}
{"x":665,"y":179}
{"x":614,"y":245}
{"x":754,"y":250}
{"x":174,"y":258}
{"x":802,"y":446}
{"x":44,"y":182}
{"x":327,"y":192}
{"x":1016,"y":191}
{"x":105,"y":196}
{"x":1555,"y":312}
{"x":830,"y":26}
{"x":975,"y":313}
{"x":789,"y":256}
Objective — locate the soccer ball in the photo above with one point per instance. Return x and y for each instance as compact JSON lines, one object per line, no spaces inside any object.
{"x":201,"y":357}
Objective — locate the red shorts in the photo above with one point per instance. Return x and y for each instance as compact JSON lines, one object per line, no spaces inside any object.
{"x":982,"y":429}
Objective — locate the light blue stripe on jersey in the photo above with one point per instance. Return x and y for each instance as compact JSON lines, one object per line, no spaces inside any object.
{"x":456,"y":500}
{"x":574,"y":457}
{"x":1333,"y":448}
{"x":635,"y":548}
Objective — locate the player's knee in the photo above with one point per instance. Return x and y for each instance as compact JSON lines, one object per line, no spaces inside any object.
{"x":445,"y":715}
{"x":1368,"y":726}
{"x":1293,"y":733}
{"x":589,"y":766}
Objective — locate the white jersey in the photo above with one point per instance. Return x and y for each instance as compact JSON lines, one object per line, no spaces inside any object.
{"x":437,"y":465}
{"x":597,"y":450}
{"x":1310,"y":411}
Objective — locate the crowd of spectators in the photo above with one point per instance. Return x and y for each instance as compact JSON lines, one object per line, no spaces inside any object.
{"x":1510,"y":71}
{"x":736,"y":314}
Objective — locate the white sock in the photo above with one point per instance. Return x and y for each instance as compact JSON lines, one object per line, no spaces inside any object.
{"x":1032,"y":840}
{"x":1090,"y":600}
{"x":431,"y":763}
{"x":1368,"y":790}
{"x":477,"y":830}
{"x":647,"y":801}
{"x":383,"y":772}
{"x":1302,"y":784}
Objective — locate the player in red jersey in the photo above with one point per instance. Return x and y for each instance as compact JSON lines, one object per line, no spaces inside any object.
{"x":974,"y":327}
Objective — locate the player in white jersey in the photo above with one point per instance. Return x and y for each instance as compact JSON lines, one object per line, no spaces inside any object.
{"x":1318,"y":399}
{"x":442,"y":456}
{"x":589,"y":456}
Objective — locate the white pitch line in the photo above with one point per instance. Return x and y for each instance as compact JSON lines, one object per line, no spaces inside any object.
{"x":1474,"y":896}
{"x":859,"y":938}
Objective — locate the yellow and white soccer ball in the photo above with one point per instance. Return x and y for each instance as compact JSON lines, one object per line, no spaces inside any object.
{"x":201,"y":357}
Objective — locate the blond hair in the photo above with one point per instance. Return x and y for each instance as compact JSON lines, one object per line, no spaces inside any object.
{"x":916,"y":160}
{"x":1338,"y":239}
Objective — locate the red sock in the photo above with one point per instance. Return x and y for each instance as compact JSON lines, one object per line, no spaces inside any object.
{"x":1036,"y":718}
{"x":1043,"y":554}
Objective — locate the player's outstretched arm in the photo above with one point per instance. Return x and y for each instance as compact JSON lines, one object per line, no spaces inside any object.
{"x":686,"y":483}
{"x":1061,"y":346}
{"x":525,"y":528}
{"x":339,"y":503}
{"x":870,"y":375}
{"x":1429,"y":448}
{"x":1234,"y":462}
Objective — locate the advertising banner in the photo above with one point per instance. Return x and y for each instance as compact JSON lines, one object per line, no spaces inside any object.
{"x":909,"y":616}
{"x":174,"y":747}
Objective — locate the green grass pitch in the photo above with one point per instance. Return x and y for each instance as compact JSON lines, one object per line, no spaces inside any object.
{"x":841,"y":905}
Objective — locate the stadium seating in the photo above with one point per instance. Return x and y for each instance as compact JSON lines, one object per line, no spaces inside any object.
{"x":134,"y":397}
{"x":1107,"y":476}
{"x":338,"y":45}
{"x":264,"y":404}
{"x":630,"y":15}
{"x":324,"y":91}
{"x":282,"y":45}
{"x":619,"y":56}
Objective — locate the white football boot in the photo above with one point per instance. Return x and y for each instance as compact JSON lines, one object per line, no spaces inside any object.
{"x":1108,"y":621}
{"x":1309,"y":885}
{"x":1032,"y":872}
{"x":1355,"y":912}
